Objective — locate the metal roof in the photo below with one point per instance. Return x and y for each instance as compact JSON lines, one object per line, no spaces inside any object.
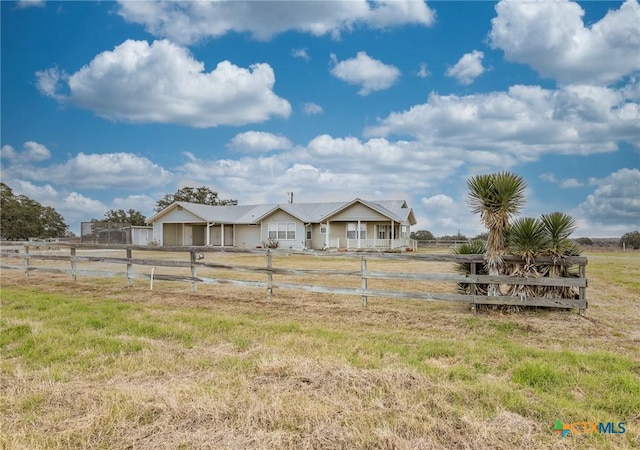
{"x":396,"y":210}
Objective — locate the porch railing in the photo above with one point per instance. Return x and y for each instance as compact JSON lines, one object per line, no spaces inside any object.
{"x":378,"y":243}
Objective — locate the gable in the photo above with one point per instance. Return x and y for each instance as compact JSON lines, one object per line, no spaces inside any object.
{"x":279,"y":216}
{"x":356,"y":212}
{"x":178,"y":215}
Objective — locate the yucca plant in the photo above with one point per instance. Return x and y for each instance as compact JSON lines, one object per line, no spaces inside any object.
{"x":497,"y":197}
{"x":476,"y":247}
{"x":559,"y":227}
{"x":527,"y":238}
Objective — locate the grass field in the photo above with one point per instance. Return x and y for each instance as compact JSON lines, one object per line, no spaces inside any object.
{"x":95,"y":364}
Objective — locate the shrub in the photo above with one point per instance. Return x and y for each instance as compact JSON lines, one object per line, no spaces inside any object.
{"x":631,"y":239}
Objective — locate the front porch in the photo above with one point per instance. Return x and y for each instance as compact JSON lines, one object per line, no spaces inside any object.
{"x":373,"y":235}
{"x":401,"y":244}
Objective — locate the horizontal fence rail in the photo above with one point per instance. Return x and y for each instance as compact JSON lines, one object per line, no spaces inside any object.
{"x":74,"y":259}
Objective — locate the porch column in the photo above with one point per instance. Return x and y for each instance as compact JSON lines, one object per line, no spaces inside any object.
{"x":326,"y":236}
{"x":208,"y":238}
{"x":376,"y":230}
{"x":359,"y":234}
{"x":222,"y":235}
{"x":393,"y":231}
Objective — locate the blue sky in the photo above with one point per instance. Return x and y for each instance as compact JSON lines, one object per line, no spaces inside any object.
{"x":111,"y":105}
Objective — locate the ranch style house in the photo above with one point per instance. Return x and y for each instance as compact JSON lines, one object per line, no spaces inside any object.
{"x":358,"y":224}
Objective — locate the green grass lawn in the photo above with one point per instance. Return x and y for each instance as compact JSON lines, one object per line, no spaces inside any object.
{"x":100,"y":365}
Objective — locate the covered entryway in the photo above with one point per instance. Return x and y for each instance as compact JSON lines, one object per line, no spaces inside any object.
{"x":182,"y":234}
{"x":217,"y":232}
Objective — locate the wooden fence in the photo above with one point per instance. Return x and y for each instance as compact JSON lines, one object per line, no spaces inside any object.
{"x":74,"y":259}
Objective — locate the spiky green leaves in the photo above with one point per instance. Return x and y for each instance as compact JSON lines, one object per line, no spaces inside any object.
{"x":496,"y":194}
{"x":527,"y":237}
{"x":559,"y":228}
{"x":548,"y":235}
{"x":497,"y":197}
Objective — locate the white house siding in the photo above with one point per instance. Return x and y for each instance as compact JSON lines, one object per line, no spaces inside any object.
{"x":248,"y":236}
{"x":141,"y":235}
{"x":317,"y":239}
{"x":359,"y":212}
{"x":157,"y":233}
{"x":180,"y":215}
{"x":280,"y":217}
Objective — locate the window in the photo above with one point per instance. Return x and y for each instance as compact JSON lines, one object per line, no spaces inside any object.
{"x":323,"y":228}
{"x":285,"y":231}
{"x":382,"y":231}
{"x":308,"y":234}
{"x":352,"y":232}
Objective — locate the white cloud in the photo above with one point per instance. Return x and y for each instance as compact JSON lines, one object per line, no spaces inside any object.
{"x":369,"y":73}
{"x":521,"y":124}
{"x":571,"y":183}
{"x":258,"y":141}
{"x":83,"y":206}
{"x":142,"y":203}
{"x":300,"y":53}
{"x":189,"y":22}
{"x":311,"y":109}
{"x":99,"y":171}
{"x":32,"y":152}
{"x":46,"y":194}
{"x":548,"y":177}
{"x":552,"y":38}
{"x":51,"y":81}
{"x":439,"y":201}
{"x":163,"y":83}
{"x":423,"y":72}
{"x":22,"y":4}
{"x":616,"y":199}
{"x":7,"y":152}
{"x":442,"y":212}
{"x":468,"y":68}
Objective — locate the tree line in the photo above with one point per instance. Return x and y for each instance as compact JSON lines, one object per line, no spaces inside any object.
{"x":22,"y":218}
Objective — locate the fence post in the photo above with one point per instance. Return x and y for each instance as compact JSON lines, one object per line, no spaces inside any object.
{"x":194,"y":285}
{"x":583,"y":290}
{"x":363,"y":284}
{"x":26,"y":260}
{"x":74,"y":269}
{"x":473,"y":290}
{"x":129,"y":268}
{"x":269,"y":275}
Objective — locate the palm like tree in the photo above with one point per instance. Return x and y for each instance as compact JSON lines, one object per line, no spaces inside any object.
{"x":559,"y":227}
{"x":497,"y":198}
{"x":527,"y":238}
{"x":476,"y":247}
